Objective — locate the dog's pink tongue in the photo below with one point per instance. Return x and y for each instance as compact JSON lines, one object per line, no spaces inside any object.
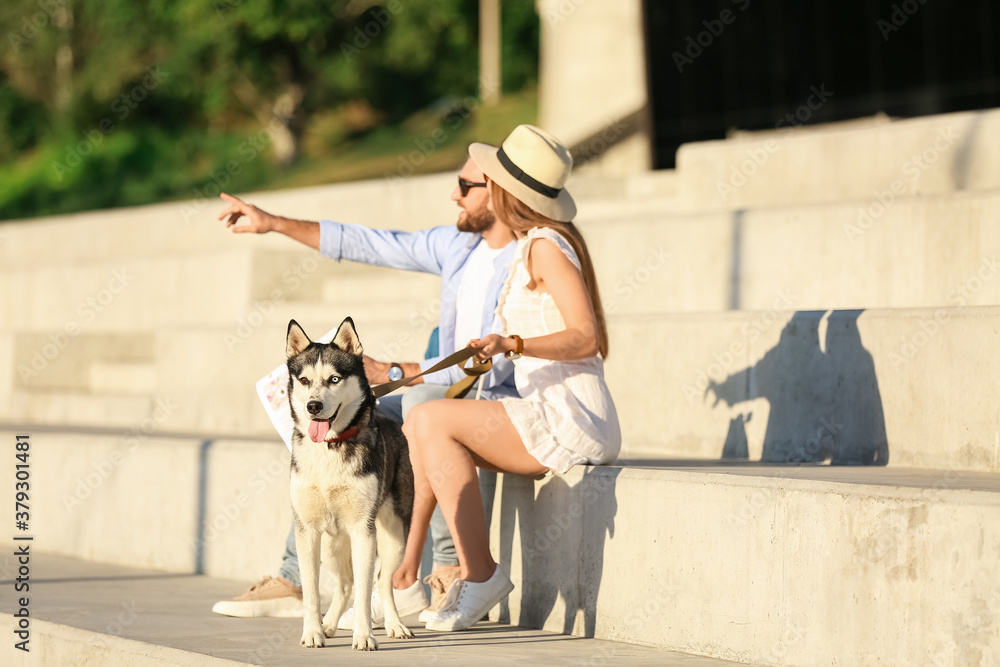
{"x":318,"y":428}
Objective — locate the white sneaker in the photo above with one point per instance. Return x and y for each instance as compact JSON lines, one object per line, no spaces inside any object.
{"x":467,"y":602}
{"x":408,"y":601}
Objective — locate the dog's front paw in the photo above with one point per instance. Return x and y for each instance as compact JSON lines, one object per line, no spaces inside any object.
{"x":397,"y":631}
{"x":364,"y":642}
{"x":330,"y":629}
{"x":313,"y":639}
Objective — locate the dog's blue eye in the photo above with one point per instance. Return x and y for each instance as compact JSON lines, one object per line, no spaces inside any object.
{"x":334,"y":379}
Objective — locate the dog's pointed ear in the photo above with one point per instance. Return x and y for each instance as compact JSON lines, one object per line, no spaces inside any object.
{"x":347,"y":338}
{"x":296,"y":340}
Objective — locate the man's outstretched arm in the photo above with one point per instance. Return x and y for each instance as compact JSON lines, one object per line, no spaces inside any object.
{"x":259,"y":221}
{"x":424,"y":250}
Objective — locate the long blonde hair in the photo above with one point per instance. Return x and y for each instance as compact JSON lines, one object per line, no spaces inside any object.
{"x":514,"y":213}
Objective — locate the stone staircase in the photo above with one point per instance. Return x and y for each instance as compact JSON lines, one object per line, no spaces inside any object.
{"x":804,"y":344}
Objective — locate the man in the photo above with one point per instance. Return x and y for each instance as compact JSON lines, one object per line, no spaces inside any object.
{"x":472,"y":258}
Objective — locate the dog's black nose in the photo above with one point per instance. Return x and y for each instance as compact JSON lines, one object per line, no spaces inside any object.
{"x":314,"y":406}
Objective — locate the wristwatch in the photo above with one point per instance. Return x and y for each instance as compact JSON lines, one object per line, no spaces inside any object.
{"x":395,"y":372}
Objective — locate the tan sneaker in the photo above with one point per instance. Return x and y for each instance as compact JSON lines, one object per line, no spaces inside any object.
{"x":440,"y":581}
{"x":270,"y":597}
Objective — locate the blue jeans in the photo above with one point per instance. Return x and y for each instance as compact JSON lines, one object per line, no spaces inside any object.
{"x":396,"y":407}
{"x":290,"y":561}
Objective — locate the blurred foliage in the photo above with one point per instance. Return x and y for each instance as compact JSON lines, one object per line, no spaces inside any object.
{"x":432,"y":140}
{"x":111,"y":102}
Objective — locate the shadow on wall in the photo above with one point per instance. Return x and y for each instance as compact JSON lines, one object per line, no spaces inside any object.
{"x":561,"y":520}
{"x":825,"y":404}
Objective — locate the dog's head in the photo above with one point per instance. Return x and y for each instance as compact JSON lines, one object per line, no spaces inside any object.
{"x":327,"y":387}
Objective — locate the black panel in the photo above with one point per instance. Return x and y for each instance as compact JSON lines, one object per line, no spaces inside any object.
{"x":715,"y":65}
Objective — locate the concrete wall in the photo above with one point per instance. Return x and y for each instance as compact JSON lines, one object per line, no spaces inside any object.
{"x":588,"y":49}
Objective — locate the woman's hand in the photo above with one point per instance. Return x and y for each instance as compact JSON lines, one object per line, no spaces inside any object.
{"x":491,"y":345}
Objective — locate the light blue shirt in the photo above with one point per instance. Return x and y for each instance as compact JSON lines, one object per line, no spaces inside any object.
{"x":442,"y":251}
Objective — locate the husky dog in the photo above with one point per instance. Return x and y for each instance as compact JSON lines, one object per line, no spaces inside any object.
{"x":351,"y":481}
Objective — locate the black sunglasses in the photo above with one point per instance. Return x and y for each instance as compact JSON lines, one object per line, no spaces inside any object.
{"x":465,"y":186}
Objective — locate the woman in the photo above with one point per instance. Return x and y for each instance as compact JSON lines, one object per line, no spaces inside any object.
{"x":553,"y":326}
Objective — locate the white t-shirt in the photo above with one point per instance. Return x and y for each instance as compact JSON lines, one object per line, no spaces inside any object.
{"x":471,"y":297}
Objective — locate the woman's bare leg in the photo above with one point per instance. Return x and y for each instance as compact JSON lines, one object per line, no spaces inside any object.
{"x":423,"y":507}
{"x":448,"y":440}
{"x":423,"y":504}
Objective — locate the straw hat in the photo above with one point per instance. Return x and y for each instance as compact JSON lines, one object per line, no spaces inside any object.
{"x":533,"y":166}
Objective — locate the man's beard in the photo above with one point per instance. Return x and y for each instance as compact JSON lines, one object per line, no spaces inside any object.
{"x":477,"y":223}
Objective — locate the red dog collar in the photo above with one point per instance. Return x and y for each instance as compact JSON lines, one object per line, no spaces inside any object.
{"x":346,"y":435}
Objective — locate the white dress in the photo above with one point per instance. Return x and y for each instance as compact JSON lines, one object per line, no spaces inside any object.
{"x":565,"y":415}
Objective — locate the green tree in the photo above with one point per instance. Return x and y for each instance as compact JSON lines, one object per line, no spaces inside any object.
{"x":112,"y":102}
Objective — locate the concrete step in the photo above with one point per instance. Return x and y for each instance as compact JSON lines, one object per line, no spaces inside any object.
{"x":911,"y":388}
{"x":927,"y":155}
{"x":86,"y":613}
{"x":919,"y":252}
{"x":180,"y":228}
{"x":800,"y":566}
{"x":913,"y":252}
{"x":229,"y":505}
{"x":197,"y":289}
{"x":877,"y":386}
{"x":780,"y":565}
{"x":183,"y":503}
{"x":604,"y":196}
{"x":134,"y":293}
{"x":190,"y":227}
{"x":204,"y":376}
